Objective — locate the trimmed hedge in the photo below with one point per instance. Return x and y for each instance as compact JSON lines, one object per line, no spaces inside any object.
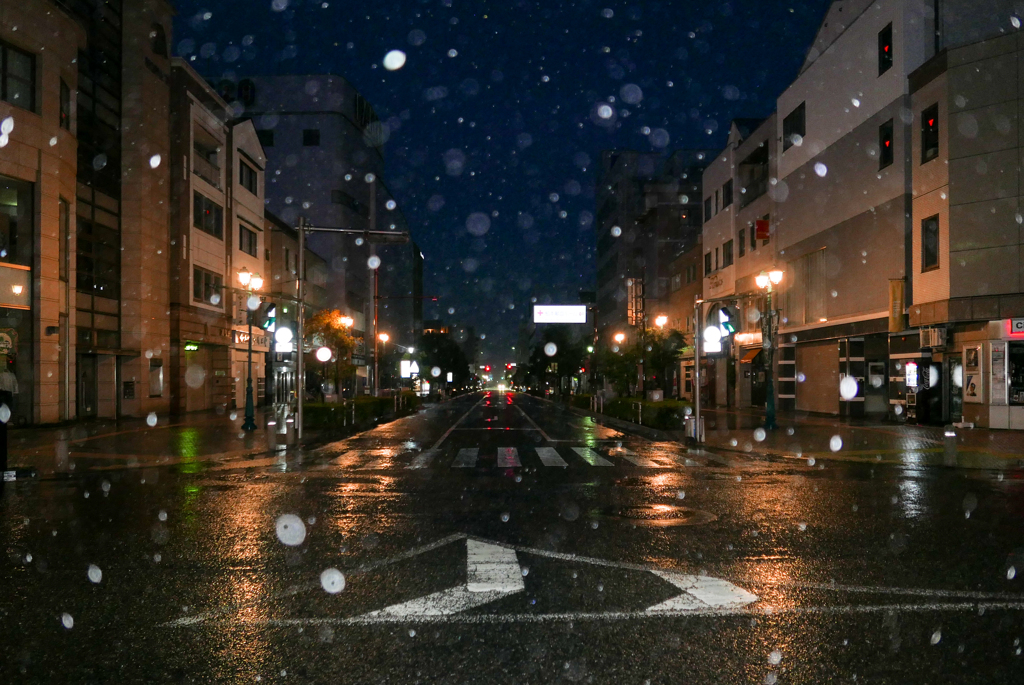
{"x":369,"y":411}
{"x":666,"y":415}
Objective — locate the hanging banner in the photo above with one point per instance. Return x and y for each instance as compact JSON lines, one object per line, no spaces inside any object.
{"x":997,"y":366}
{"x":897,"y":303}
{"x":974,"y":388}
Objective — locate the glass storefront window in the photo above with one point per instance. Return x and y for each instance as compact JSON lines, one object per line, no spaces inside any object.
{"x":15,"y":221}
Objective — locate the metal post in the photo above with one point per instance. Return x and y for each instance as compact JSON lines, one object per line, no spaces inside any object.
{"x":698,"y":307}
{"x":769,"y":332}
{"x":250,"y":420}
{"x":301,"y":291}
{"x":376,"y":294}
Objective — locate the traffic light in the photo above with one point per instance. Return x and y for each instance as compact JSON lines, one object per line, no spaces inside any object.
{"x":268,"y":319}
{"x":725,"y":322}
{"x":487,"y":369}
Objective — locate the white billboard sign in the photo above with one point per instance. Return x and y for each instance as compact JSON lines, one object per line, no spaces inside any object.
{"x":559,"y":313}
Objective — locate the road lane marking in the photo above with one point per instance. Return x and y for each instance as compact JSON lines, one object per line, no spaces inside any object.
{"x":461,"y":419}
{"x":508,"y":457}
{"x":633,"y":457}
{"x":492,"y":568}
{"x":492,"y":572}
{"x":423,"y":459}
{"x":591,"y":457}
{"x":466,"y":459}
{"x":549,"y":456}
{"x":532,"y":423}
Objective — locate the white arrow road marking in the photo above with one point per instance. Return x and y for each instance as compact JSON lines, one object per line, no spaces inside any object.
{"x":549,"y":456}
{"x":591,"y":457}
{"x":423,"y":460}
{"x":508,"y":457}
{"x":466,"y":458}
{"x":631,"y":456}
{"x":701,"y":593}
{"x":492,"y":572}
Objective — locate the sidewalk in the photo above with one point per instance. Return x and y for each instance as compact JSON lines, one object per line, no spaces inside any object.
{"x":813,"y":437}
{"x":806,"y":438}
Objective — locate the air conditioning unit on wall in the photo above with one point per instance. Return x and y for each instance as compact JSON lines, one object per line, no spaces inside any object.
{"x":933,"y":337}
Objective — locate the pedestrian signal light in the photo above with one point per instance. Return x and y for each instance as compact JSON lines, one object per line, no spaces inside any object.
{"x":269,"y":316}
{"x":725,"y":323}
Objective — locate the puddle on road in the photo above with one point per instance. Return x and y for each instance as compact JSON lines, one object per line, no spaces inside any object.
{"x":658,"y":515}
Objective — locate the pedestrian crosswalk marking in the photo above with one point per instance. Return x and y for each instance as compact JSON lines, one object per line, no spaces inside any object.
{"x":591,"y":457}
{"x":508,"y":457}
{"x":549,"y":457}
{"x":422,"y":460}
{"x":633,"y":457}
{"x":466,"y":458}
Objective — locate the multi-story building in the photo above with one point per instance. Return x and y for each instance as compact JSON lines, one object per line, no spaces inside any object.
{"x":857,"y":215}
{"x":966,"y":248}
{"x":217,"y":230}
{"x":648,"y":210}
{"x":686,"y":279}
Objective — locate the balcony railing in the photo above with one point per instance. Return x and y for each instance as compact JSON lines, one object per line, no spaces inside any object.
{"x":206,"y":171}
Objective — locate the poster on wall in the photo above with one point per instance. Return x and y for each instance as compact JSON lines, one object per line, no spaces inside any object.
{"x":973,"y":383}
{"x":997,"y":358}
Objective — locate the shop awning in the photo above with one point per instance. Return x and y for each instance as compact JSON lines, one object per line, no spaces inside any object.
{"x":748,"y":356}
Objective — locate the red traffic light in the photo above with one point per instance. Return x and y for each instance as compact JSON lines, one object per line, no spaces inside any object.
{"x":487,"y":368}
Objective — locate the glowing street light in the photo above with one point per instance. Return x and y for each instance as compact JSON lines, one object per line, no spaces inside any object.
{"x":324,"y":354}
{"x":769,"y":323}
{"x":346,"y":321}
{"x":251,"y":282}
{"x":384,"y":337}
{"x":660,"y":320}
{"x":620,"y":337}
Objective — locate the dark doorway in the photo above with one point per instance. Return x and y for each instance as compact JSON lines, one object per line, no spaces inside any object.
{"x":86,"y":386}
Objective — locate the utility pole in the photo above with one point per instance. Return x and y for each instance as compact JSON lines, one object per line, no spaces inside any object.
{"x":300,"y":334}
{"x":376,"y":271}
{"x":698,"y":306}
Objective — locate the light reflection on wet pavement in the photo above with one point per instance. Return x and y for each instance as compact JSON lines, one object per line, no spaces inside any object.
{"x":854,"y":566}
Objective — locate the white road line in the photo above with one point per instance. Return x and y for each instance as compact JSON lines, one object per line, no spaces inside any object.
{"x":490,"y":568}
{"x":549,"y":456}
{"x":591,"y":457}
{"x":465,"y":619}
{"x":532,"y":423}
{"x":492,"y":572}
{"x":466,"y":458}
{"x":376,"y":465}
{"x":423,"y":460}
{"x":631,"y":456}
{"x":461,"y":419}
{"x":508,"y":457}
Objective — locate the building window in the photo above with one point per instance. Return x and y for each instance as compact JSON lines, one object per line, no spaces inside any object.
{"x":247,"y":92}
{"x":717,"y":205}
{"x":716,"y":259}
{"x":930,"y":243}
{"x":753,"y":173}
{"x":743,"y":241}
{"x":247,"y":240}
{"x":885,"y":145}
{"x":266,"y":137}
{"x":17,"y":77}
{"x":930,"y":133}
{"x":753,"y":238}
{"x":158,"y":40}
{"x":247,"y":177}
{"x":707,"y":208}
{"x":727,"y":254}
{"x":727,"y":194}
{"x":207,"y":216}
{"x":311,"y":137}
{"x":707,"y":262}
{"x":677,"y":282}
{"x":65,"y":106}
{"x":885,"y":49}
{"x":794,"y":127}
{"x":206,"y":286}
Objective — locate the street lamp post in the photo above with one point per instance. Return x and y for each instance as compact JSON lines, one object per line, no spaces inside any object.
{"x":769,"y":325}
{"x":251,"y":283}
{"x":383,"y":337}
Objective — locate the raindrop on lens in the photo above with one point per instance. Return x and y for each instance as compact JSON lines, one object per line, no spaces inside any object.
{"x":1011,"y":573}
{"x":835,"y":443}
{"x":291,"y":530}
{"x":154,"y":161}
{"x":759,"y":434}
{"x":616,"y":231}
{"x":332,"y":581}
{"x":94,"y":573}
{"x":775,"y":657}
{"x":151,"y":419}
{"x":504,"y":517}
{"x":67,"y":620}
{"x":936,"y":636}
{"x":394,"y":60}
{"x":848,"y":388}
{"x":373,"y":262}
{"x":551,"y":349}
{"x":435,"y":372}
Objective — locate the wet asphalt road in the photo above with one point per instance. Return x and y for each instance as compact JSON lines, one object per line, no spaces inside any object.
{"x":633,"y":562}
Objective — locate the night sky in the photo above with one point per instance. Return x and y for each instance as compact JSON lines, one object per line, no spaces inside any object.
{"x":512,"y":90}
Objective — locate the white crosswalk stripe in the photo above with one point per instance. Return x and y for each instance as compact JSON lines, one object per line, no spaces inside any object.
{"x":591,"y":457}
{"x":549,"y":457}
{"x":633,"y":457}
{"x":466,"y":459}
{"x":422,"y":460}
{"x":508,"y":457}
